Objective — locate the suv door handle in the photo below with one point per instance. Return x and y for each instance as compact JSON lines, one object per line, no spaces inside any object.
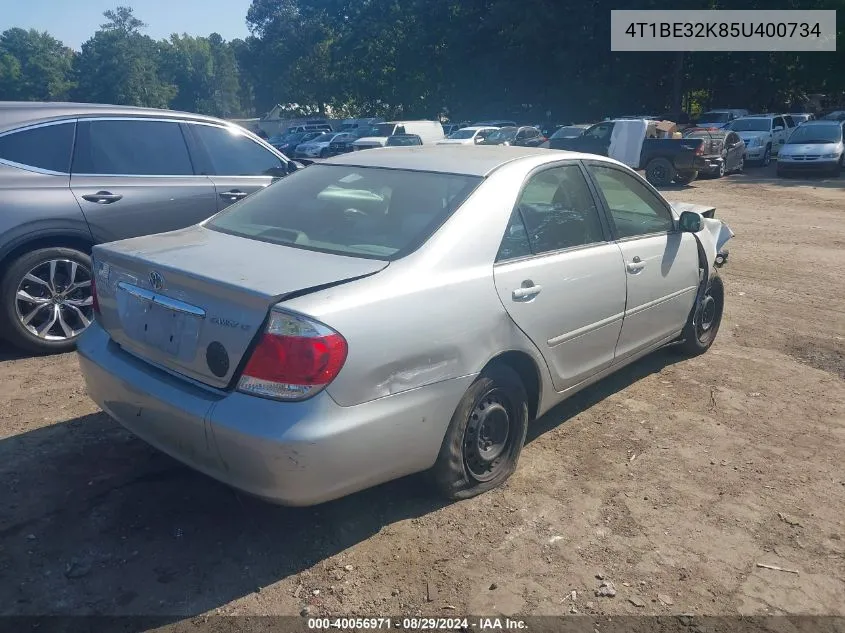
{"x":234,"y":194}
{"x":102,"y":197}
{"x":526,"y":292}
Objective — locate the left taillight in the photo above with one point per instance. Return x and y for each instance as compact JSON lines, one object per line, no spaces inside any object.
{"x":295,"y":358}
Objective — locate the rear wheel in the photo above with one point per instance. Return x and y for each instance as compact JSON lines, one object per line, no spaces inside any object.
{"x":485,"y":436}
{"x":722,"y":169}
{"x":46,"y":300}
{"x":704,"y":319}
{"x":660,"y":172}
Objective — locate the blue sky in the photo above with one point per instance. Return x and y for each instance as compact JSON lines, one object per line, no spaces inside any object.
{"x":74,"y":21}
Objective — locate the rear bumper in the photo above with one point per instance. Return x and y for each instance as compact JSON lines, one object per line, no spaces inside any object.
{"x":299,"y":453}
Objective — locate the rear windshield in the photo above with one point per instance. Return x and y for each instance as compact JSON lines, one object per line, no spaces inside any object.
{"x":715,"y":117}
{"x":359,"y":211}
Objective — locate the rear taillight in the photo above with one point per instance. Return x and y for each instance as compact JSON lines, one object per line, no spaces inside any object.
{"x":95,"y":303}
{"x":700,"y":149}
{"x":295,"y":358}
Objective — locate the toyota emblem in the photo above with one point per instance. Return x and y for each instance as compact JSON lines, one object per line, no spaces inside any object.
{"x":156,"y":280}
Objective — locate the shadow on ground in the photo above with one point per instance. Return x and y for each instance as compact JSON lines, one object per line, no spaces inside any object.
{"x":94,"y":521}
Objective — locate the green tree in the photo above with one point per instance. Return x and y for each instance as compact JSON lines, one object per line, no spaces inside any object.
{"x":34,"y":66}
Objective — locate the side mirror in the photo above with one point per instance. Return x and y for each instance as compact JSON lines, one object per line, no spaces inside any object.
{"x":689,"y":222}
{"x":478,"y":139}
{"x":778,"y":128}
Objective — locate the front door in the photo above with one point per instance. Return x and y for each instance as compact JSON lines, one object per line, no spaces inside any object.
{"x":134,"y":177}
{"x":559,"y":276}
{"x":235,"y":163}
{"x":661,"y":263}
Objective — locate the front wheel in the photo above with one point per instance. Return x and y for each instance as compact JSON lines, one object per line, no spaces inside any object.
{"x":485,"y":436}
{"x":767,"y":156}
{"x":660,"y":172}
{"x":704,"y":319}
{"x":46,"y":300}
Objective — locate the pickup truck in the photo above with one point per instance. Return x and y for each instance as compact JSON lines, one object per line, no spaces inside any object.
{"x":665,"y":160}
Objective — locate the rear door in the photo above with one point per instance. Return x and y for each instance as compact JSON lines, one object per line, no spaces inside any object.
{"x":236,"y":164}
{"x":134,"y":176}
{"x":661,"y":263}
{"x":560,"y":277}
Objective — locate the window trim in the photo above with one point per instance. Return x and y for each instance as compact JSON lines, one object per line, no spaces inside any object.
{"x":33,"y":126}
{"x":605,"y":228}
{"x":609,"y":216}
{"x":198,"y":150}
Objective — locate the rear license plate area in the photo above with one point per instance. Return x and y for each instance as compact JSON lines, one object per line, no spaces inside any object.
{"x":154,"y":326}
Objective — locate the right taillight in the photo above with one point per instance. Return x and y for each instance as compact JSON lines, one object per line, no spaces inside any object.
{"x":296,"y":357}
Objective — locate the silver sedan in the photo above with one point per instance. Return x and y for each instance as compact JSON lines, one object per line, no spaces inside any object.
{"x":394,"y":311}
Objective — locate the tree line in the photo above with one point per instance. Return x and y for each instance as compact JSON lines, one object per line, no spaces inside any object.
{"x":459,"y":59}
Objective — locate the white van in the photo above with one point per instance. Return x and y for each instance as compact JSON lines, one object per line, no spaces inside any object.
{"x":429,"y":131}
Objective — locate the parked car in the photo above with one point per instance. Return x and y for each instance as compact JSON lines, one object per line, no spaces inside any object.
{"x":309,"y":385}
{"x":723,"y":153}
{"x":763,"y":135}
{"x":802,"y":117}
{"x":75,"y":175}
{"x":428,"y":131}
{"x":664,"y":160}
{"x":317,"y":127}
{"x":557,"y":139}
{"x":342,"y":146}
{"x":468,"y":136}
{"x":318,"y":147}
{"x":813,"y":146}
{"x":519,"y":136}
{"x":495,"y":123}
{"x":290,"y":142}
{"x":403,"y":140}
{"x":719,"y":118}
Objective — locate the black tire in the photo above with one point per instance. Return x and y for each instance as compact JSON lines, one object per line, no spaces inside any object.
{"x":767,"y":156}
{"x":496,"y":397}
{"x":660,"y":172}
{"x":704,"y":319}
{"x":720,"y":173}
{"x":685,"y":177}
{"x":324,"y":153}
{"x":12,"y":309}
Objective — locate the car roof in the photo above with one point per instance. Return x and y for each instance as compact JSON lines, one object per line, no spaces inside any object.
{"x":821,"y":122}
{"x":16,"y":113}
{"x":452,"y":159}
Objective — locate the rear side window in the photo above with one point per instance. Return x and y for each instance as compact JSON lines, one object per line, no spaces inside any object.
{"x":346,"y":210}
{"x":131,"y":148}
{"x":233,"y":154}
{"x":46,"y":147}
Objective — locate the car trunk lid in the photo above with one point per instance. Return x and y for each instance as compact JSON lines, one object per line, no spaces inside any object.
{"x":192,"y":301}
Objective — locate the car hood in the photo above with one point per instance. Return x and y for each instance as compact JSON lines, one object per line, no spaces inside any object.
{"x":810,"y":148}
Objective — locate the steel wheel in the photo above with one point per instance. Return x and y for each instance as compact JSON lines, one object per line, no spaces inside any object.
{"x":722,"y":168}
{"x":54,"y":301}
{"x":487,"y":436}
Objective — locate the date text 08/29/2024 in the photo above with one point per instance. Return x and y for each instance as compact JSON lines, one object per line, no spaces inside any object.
{"x":416,"y":624}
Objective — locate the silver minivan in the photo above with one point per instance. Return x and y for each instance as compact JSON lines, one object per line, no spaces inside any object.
{"x":76,"y":175}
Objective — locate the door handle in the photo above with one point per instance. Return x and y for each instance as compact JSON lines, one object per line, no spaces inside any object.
{"x":526,"y":293}
{"x":234,"y":194}
{"x":635,"y":265}
{"x":102,"y":197}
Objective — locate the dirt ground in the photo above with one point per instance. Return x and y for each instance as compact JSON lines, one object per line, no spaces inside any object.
{"x":674,"y":478}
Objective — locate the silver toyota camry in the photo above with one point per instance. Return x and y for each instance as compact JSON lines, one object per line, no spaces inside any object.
{"x":394,"y":311}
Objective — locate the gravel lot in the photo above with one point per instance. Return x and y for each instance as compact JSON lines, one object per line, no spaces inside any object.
{"x":672,"y":479}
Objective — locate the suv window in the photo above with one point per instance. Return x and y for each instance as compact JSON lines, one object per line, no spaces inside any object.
{"x":234,"y":154}
{"x":778,"y":121}
{"x":600,"y":132}
{"x":46,"y":147}
{"x":635,"y":210}
{"x":790,"y":122}
{"x":132,"y":148}
{"x":558,"y":210}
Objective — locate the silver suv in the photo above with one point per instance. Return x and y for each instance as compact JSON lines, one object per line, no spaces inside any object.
{"x":75,"y":175}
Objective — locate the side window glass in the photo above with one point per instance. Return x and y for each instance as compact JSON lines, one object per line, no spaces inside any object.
{"x":515,"y":242}
{"x":132,"y":148}
{"x":46,"y":147}
{"x":778,"y":121}
{"x":599,"y":132}
{"x":559,"y":211}
{"x":635,"y":210}
{"x":233,"y":154}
